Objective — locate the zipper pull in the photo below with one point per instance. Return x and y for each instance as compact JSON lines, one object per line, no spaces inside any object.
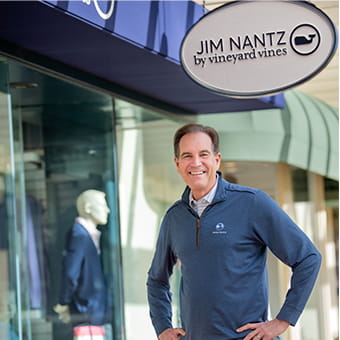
{"x":198,"y":231}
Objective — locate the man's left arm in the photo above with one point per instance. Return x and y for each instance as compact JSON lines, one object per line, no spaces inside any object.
{"x":291,"y":245}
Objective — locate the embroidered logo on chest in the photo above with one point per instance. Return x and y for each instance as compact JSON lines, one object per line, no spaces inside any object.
{"x":219,"y":229}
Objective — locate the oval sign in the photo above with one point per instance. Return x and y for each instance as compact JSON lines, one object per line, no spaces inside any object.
{"x":256,"y":48}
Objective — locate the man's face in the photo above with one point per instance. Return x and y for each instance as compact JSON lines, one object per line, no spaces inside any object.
{"x":197,"y":163}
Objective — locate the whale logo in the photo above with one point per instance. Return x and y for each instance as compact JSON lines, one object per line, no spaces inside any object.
{"x":305,"y":39}
{"x":219,"y":227}
{"x":302,"y":40}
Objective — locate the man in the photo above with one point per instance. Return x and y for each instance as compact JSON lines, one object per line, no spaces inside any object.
{"x":220,"y":232}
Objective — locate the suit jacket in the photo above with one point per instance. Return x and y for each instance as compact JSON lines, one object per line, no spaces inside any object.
{"x":83,"y":285}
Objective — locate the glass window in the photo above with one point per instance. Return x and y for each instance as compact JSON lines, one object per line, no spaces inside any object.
{"x":9,"y":283}
{"x":63,"y":144}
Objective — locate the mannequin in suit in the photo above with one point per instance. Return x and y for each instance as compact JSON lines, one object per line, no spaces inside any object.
{"x":83,"y":294}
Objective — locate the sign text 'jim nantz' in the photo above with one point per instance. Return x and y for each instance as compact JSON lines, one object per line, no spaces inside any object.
{"x":256,"y":48}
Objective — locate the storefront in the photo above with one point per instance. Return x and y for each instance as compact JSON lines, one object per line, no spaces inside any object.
{"x":90,"y":101}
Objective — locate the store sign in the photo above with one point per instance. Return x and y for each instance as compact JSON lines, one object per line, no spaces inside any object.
{"x":256,"y":48}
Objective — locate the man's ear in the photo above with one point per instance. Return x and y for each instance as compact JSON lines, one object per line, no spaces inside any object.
{"x":218,"y":158}
{"x":176,"y":162}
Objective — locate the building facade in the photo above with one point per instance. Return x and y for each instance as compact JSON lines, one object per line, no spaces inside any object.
{"x":90,"y":101}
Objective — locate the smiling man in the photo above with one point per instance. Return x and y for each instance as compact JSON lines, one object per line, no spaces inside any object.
{"x":220,"y":233}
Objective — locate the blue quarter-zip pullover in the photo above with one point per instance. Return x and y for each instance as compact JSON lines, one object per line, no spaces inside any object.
{"x":223,"y":263}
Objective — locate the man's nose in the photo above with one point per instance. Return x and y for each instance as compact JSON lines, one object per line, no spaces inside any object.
{"x":196,"y":160}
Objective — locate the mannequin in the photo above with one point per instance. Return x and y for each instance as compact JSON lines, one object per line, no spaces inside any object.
{"x":83,"y":293}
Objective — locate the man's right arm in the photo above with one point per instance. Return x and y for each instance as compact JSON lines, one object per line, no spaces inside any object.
{"x":158,"y":287}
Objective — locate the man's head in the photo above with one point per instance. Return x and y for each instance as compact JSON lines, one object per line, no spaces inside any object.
{"x":91,"y":205}
{"x":197,"y":157}
{"x":190,"y":128}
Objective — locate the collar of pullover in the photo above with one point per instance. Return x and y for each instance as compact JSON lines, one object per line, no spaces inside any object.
{"x":220,"y":191}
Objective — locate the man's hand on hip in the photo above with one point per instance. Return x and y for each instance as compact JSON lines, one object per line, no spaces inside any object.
{"x":264,"y":330}
{"x":171,"y":334}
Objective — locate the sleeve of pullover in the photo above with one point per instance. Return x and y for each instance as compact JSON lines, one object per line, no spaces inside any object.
{"x":275,"y":229}
{"x":158,"y":286}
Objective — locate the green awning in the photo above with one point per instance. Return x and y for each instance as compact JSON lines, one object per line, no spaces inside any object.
{"x":304,"y":134}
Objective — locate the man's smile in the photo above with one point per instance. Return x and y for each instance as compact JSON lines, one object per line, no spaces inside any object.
{"x":195,"y":173}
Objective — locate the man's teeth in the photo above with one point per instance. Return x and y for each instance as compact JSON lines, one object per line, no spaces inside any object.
{"x":196,"y":172}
